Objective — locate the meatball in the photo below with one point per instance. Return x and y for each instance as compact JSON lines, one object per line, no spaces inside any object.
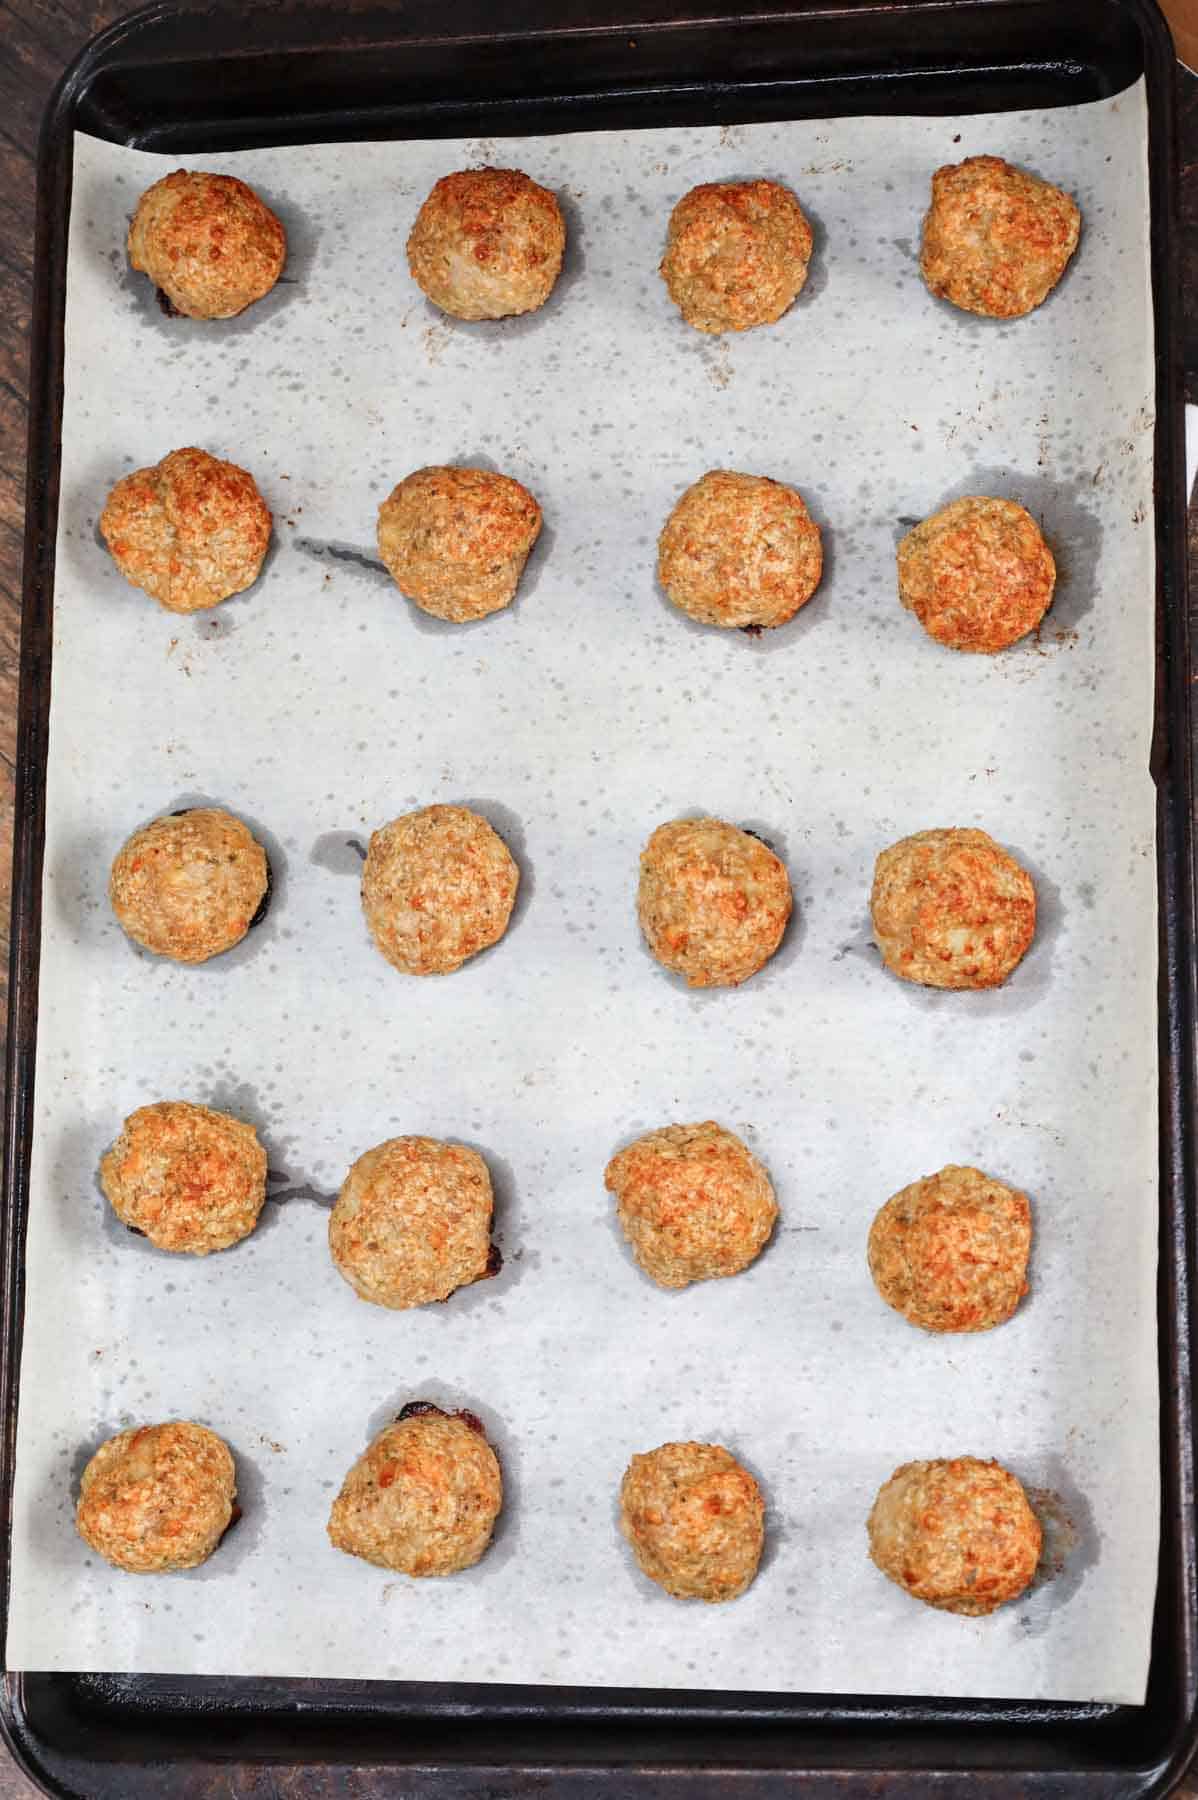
{"x":695,"y":1519}
{"x":158,"y":1498}
{"x":740,"y":550}
{"x":456,"y":540}
{"x":487,"y":243}
{"x":190,"y":885}
{"x":950,"y":1252}
{"x":191,"y":531}
{"x":438,"y":886}
{"x":736,"y":254}
{"x":693,"y":1202}
{"x":977,"y":574}
{"x":413,"y":1222}
{"x":713,"y":901}
{"x":951,"y":909}
{"x":958,"y":1535}
{"x":207,"y":242}
{"x":187,"y":1178}
{"x":996,"y":239}
{"x":423,"y":1498}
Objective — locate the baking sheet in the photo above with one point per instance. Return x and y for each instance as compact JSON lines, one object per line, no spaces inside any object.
{"x":322,"y":704}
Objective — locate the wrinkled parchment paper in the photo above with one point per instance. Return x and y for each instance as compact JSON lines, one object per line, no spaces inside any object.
{"x":321,"y":704}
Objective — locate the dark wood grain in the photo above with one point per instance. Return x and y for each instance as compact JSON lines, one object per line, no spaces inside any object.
{"x":37,"y":39}
{"x":1187,"y":122}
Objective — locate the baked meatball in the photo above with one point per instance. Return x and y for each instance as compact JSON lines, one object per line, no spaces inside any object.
{"x":423,"y":1498}
{"x":740,"y":550}
{"x":695,"y":1519}
{"x":951,"y":909}
{"x":693,"y":1202}
{"x":158,"y":1498}
{"x":713,"y":901}
{"x":438,"y":886}
{"x":996,"y":239}
{"x":190,"y":885}
{"x":977,"y":574}
{"x":487,"y":243}
{"x":456,"y":540}
{"x":191,"y":531}
{"x":736,"y":254}
{"x":950,"y":1252}
{"x":413,"y":1222}
{"x":958,"y":1535}
{"x":187,"y":1178}
{"x":207,"y":242}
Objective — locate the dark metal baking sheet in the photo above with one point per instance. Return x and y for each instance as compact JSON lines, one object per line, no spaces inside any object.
{"x":193,"y":78}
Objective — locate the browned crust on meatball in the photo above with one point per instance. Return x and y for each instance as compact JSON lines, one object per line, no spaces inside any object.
{"x":693,"y":1202}
{"x":952,"y":909}
{"x":189,"y":885}
{"x":438,"y":886}
{"x":208,"y":242}
{"x":950,"y":1252}
{"x":456,"y":540}
{"x":157,"y":1498}
{"x":487,"y":244}
{"x":996,"y":239}
{"x":740,"y":551}
{"x":422,"y":1499}
{"x":186,"y":1177}
{"x":413,"y":1222}
{"x":713,"y":901}
{"x":736,"y":254}
{"x":413,"y":1409}
{"x":958,"y":1535}
{"x":977,"y":574}
{"x":695,"y":1519}
{"x":189,"y":531}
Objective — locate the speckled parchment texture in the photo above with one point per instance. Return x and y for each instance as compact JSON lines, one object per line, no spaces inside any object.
{"x":320,"y":704}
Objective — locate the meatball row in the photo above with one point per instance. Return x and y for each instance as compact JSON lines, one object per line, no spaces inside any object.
{"x":412,"y":1221}
{"x":950,"y":907}
{"x":737,"y":551}
{"x":489,"y":244}
{"x":424,"y":1497}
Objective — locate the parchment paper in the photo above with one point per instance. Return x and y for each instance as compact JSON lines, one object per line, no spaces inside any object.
{"x":321,"y":704}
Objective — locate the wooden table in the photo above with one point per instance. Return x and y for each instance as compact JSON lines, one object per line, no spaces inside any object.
{"x":37,"y":39}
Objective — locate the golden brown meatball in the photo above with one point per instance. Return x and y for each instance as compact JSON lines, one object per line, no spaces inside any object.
{"x":958,"y":1535}
{"x":191,"y":531}
{"x":950,"y":1252}
{"x":413,"y":1222}
{"x":187,"y":1178}
{"x":713,"y":901}
{"x":438,"y":886}
{"x":208,"y":242}
{"x":190,"y":885}
{"x":695,"y":1519}
{"x":693,"y":1202}
{"x":736,"y":254}
{"x":487,"y":243}
{"x":157,"y":1498}
{"x":423,"y":1498}
{"x":996,"y":239}
{"x":977,"y":574}
{"x":952,"y":909}
{"x":456,"y":540}
{"x":740,"y":550}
